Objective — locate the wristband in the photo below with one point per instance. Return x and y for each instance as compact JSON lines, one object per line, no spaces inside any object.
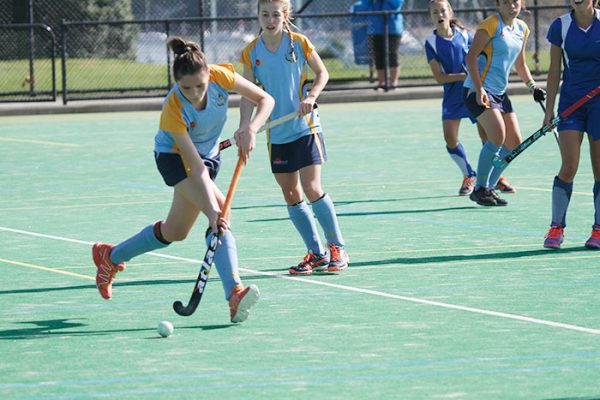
{"x":530,"y":84}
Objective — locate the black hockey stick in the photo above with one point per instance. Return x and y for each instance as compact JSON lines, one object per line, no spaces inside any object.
{"x":553,"y":129}
{"x":210,"y":253}
{"x":497,"y":161}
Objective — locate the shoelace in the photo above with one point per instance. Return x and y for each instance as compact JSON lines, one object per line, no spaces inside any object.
{"x":107,"y":273}
{"x":553,"y":233}
{"x":466,"y":182}
{"x":334,"y":253}
{"x":307,"y":260}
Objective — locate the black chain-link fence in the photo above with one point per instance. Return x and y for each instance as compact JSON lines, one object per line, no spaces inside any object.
{"x":128,"y":57}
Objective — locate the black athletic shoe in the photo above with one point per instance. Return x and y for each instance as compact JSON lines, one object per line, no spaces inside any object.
{"x":499,"y":201}
{"x":483,"y":197}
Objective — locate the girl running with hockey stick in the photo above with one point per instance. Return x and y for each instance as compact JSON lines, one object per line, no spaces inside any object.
{"x":498,"y":45}
{"x":279,"y":60}
{"x":575,"y":41}
{"x":445,"y":50}
{"x":187,"y":157}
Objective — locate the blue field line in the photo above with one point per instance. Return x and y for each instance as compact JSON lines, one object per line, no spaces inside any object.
{"x":342,"y":367}
{"x":299,"y":382}
{"x":455,"y":224}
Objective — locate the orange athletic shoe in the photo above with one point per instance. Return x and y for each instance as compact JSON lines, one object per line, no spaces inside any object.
{"x":504,"y":186}
{"x":468,"y":183}
{"x":106,"y":269}
{"x":241,"y":300}
{"x":338,"y":259}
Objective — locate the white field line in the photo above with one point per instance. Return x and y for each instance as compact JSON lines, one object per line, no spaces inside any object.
{"x":44,"y":142}
{"x":450,"y":306}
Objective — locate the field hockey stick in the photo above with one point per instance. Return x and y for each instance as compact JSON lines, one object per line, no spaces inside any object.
{"x":498,"y":162}
{"x":209,"y":256}
{"x":553,"y":129}
{"x":228,"y":142}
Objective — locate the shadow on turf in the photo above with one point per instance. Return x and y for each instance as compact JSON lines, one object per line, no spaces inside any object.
{"x":56,"y":327}
{"x":119,"y":284}
{"x":344,"y":203}
{"x":370,"y":213}
{"x":470,"y":257}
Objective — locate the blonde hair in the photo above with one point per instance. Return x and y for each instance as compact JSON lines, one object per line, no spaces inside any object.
{"x":453,"y":21}
{"x":286,"y":6}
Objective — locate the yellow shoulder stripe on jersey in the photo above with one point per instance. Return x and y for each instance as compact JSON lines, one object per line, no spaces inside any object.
{"x":307,"y":46}
{"x":245,"y":57}
{"x":223,"y":75}
{"x":171,"y":117}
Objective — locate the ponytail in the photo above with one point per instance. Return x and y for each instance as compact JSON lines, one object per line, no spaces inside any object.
{"x":189,"y":59}
{"x":456,"y":22}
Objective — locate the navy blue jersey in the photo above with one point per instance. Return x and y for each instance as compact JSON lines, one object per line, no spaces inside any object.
{"x":581,"y":56}
{"x":450,"y":54}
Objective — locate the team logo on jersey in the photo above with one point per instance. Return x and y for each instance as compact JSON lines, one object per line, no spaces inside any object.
{"x":291,"y":57}
{"x":193,"y":124}
{"x":220,"y":100}
{"x":257,"y":62}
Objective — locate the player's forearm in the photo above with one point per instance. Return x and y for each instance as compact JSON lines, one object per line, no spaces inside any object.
{"x":246,"y":110}
{"x":264,"y":107}
{"x":319,"y":83}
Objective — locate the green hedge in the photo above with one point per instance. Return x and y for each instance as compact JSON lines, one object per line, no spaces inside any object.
{"x":102,"y":41}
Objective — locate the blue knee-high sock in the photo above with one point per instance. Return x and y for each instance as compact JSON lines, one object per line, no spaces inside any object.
{"x":484,"y":166}
{"x":459,"y":156}
{"x":597,"y":202}
{"x":226,"y":261}
{"x":304,"y":222}
{"x":561,"y":195}
{"x":144,"y":241}
{"x":496,"y":172}
{"x":325,"y":212}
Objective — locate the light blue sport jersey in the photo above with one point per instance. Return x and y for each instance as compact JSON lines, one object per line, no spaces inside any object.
{"x":450,"y":54}
{"x":285,"y":80}
{"x":500,"y":53}
{"x":179,"y":116}
{"x":581,"y":58}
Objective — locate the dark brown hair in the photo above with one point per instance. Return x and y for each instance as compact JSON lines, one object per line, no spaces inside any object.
{"x":189,"y":60}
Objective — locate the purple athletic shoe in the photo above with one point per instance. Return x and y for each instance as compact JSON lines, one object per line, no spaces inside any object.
{"x":594,"y":241}
{"x":554,"y":237}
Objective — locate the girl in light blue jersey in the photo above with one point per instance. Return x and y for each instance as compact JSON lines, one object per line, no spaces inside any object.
{"x":279,"y":60}
{"x":498,"y":45}
{"x":575,"y":42}
{"x":186,"y":154}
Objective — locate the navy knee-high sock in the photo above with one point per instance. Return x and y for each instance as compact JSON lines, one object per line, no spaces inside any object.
{"x":561,"y":196}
